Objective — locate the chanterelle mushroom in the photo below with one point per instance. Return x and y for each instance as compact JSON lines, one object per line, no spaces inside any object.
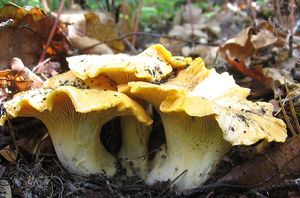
{"x":203,"y":114}
{"x":74,"y":118}
{"x":135,"y":135}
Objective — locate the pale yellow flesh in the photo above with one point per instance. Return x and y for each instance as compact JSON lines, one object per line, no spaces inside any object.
{"x":194,"y":145}
{"x":134,"y":148}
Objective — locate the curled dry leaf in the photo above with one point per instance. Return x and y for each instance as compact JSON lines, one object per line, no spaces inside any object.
{"x":244,"y":45}
{"x":17,"y":65}
{"x":9,"y":154}
{"x":103,"y":28}
{"x":79,"y":39}
{"x":26,"y":37}
{"x":88,"y":29}
{"x":255,"y":72}
{"x":19,"y":78}
{"x":239,"y":47}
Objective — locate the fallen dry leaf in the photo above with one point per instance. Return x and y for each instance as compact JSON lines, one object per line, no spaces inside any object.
{"x":18,"y":78}
{"x":254,"y":72}
{"x":103,"y":28}
{"x":273,"y":166}
{"x":78,"y":37}
{"x":9,"y":154}
{"x":18,"y":66}
{"x":26,"y":37}
{"x":245,"y":44}
{"x":239,"y":47}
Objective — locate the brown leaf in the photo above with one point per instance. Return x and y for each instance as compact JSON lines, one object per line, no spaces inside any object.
{"x":22,"y":81}
{"x":239,"y":47}
{"x":255,"y":72}
{"x":20,"y":78}
{"x":9,"y":154}
{"x":248,"y":41}
{"x":78,"y":37}
{"x":103,"y":28}
{"x":27,"y":36}
{"x":263,"y":39}
{"x":269,"y":168}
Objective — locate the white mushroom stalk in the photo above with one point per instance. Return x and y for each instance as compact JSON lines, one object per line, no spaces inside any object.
{"x":194,"y":145}
{"x":74,"y":118}
{"x":134,"y":148}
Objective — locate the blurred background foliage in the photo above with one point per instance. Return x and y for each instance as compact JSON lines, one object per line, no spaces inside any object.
{"x":152,"y":10}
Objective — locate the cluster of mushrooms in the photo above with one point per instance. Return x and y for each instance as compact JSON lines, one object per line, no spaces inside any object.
{"x":203,"y":113}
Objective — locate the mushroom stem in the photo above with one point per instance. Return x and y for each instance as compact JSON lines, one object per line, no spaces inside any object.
{"x":135,"y":136}
{"x":193,"y":144}
{"x":79,"y":152}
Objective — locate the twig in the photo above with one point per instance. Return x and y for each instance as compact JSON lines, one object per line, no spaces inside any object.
{"x":11,"y":131}
{"x":291,"y":24}
{"x":292,"y":108}
{"x":151,"y":35}
{"x":191,"y":17}
{"x":286,"y":117}
{"x":52,"y":32}
{"x":200,"y":189}
{"x":123,"y":10}
{"x":252,"y":11}
{"x":257,"y":194}
{"x":28,"y":28}
{"x":131,"y":47}
{"x":137,"y":21}
{"x":278,"y":11}
{"x":171,"y":183}
{"x":293,"y":183}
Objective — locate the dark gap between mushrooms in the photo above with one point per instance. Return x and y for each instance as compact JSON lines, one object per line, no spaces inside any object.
{"x":111,"y":135}
{"x":157,"y":136}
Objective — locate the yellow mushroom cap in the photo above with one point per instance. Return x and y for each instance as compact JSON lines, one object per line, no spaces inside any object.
{"x":83,"y":100}
{"x":153,"y":65}
{"x":69,"y":79}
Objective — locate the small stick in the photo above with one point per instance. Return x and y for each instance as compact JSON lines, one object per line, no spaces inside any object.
{"x":12,"y":133}
{"x":278,"y":12}
{"x":137,"y":21}
{"x":286,"y":117}
{"x":124,"y":9}
{"x":151,"y":35}
{"x":252,"y":11}
{"x":191,"y":17}
{"x":52,"y":32}
{"x":291,"y":23}
{"x":171,"y":183}
{"x":292,"y":108}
